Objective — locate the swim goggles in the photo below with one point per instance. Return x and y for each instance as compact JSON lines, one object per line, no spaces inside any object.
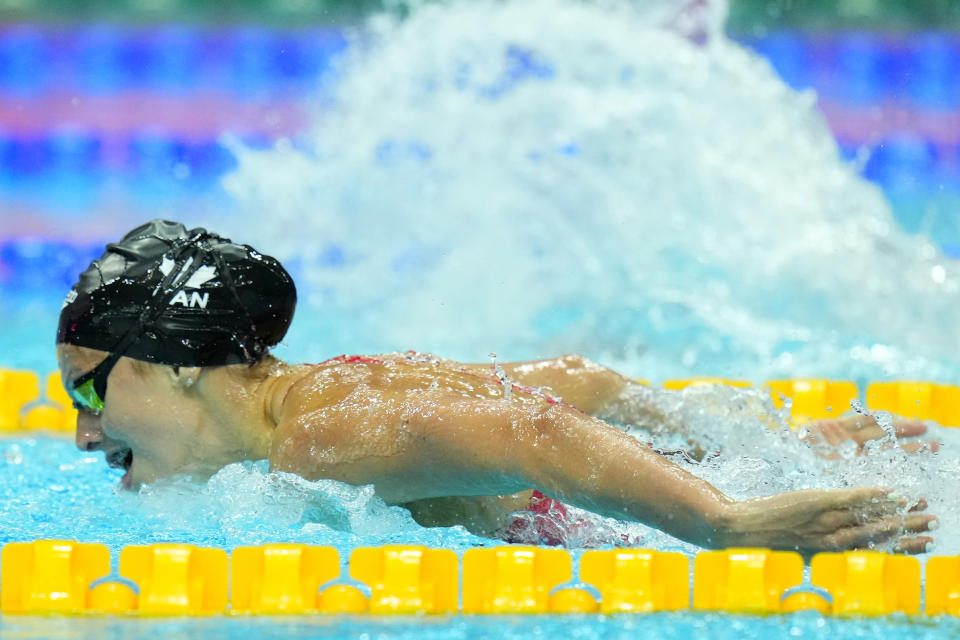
{"x":89,"y":390}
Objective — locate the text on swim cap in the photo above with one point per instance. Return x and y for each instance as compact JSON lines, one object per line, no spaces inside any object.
{"x":195,"y":299}
{"x":71,"y":296}
{"x":197,"y":279}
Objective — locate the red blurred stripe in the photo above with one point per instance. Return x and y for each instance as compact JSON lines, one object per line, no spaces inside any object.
{"x":867,"y":126}
{"x":200,"y":116}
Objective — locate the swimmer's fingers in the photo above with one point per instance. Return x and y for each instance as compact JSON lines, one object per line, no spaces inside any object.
{"x":860,"y":499}
{"x":931,"y":446}
{"x":863,"y":435}
{"x":919,"y":523}
{"x":866,"y":508}
{"x":914,"y":545}
{"x":888,"y":508}
{"x":873,"y":502}
{"x":863,"y":429}
{"x":815,"y":520}
{"x":910,"y":545}
{"x":902,"y":427}
{"x":881,"y":530}
{"x":909,"y":428}
{"x":832,"y":432}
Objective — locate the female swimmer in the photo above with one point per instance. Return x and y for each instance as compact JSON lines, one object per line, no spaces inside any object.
{"x":163,"y":346}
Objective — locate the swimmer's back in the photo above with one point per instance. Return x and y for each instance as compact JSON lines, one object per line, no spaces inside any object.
{"x":332,"y":380}
{"x":349,"y":418}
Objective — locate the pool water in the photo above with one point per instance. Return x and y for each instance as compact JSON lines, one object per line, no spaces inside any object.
{"x":653,"y":626}
{"x":571,"y":177}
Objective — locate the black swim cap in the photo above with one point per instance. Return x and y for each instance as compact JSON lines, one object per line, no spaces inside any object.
{"x":180,"y":297}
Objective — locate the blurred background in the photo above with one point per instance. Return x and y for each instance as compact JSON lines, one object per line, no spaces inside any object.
{"x":115,"y":112}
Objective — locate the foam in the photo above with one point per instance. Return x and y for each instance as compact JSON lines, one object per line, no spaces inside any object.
{"x":542,"y":176}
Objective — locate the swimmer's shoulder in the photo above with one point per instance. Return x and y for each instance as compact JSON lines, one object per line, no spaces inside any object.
{"x":308,"y":419}
{"x":323,"y":407}
{"x":314,"y":385}
{"x":394,"y":357}
{"x":328,"y":383}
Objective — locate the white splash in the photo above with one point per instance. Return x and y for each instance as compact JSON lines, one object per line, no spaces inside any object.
{"x":547,"y":175}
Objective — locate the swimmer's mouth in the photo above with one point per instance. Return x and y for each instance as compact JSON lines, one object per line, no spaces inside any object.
{"x":120,"y":459}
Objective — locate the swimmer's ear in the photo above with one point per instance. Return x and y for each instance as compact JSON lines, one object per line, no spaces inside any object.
{"x":184,"y":377}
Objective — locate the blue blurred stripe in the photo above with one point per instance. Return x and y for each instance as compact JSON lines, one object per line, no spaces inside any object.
{"x":249,"y":62}
{"x":63,"y":168}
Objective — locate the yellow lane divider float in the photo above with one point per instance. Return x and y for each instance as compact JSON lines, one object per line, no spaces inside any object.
{"x":813,"y":399}
{"x":637,"y":580}
{"x":868,"y":583}
{"x":923,"y":400}
{"x":744,"y":580}
{"x":71,"y":578}
{"x":23,"y":407}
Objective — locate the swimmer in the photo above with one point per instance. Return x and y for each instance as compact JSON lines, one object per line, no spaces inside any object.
{"x":163,"y":345}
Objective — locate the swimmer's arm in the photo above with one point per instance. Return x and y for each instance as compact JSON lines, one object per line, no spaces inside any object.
{"x":598,"y":391}
{"x":610,"y":396}
{"x":578,"y":381}
{"x":443,"y":444}
{"x":588,"y":386}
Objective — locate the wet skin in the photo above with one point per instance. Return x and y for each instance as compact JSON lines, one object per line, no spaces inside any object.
{"x":441,"y":438}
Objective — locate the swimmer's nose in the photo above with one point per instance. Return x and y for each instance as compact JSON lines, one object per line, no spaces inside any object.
{"x":89,"y":435}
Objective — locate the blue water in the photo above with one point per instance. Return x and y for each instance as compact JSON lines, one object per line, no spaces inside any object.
{"x":571,"y":178}
{"x":655,"y":627}
{"x":50,"y":490}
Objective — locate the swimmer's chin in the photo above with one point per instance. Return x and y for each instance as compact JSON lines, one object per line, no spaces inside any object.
{"x":128,"y":482}
{"x":135,"y":476}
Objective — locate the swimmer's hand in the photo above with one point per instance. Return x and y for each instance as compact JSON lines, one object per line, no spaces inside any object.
{"x":817,"y":520}
{"x":826,"y":435}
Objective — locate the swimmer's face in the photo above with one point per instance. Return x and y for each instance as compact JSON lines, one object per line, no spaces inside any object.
{"x":145,"y":427}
